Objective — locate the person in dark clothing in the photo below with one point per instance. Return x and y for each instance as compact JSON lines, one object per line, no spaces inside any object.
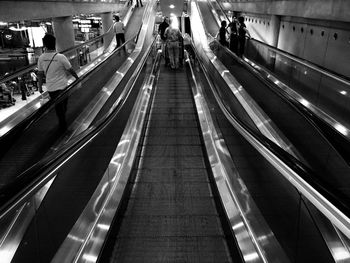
{"x":162,"y":27}
{"x":233,"y":35}
{"x":23,"y":88}
{"x":222,"y":34}
{"x":139,"y":2}
{"x":242,"y":33}
{"x":161,"y":30}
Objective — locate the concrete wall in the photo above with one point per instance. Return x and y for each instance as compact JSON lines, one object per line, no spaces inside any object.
{"x":325,"y":43}
{"x":11,"y":11}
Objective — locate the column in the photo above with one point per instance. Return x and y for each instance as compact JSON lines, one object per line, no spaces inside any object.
{"x":275,"y":30}
{"x":65,"y":39}
{"x":107,"y":23}
{"x":64,"y":32}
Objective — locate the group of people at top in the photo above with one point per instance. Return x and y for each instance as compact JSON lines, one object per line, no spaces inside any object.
{"x":237,"y":32}
{"x":171,"y":42}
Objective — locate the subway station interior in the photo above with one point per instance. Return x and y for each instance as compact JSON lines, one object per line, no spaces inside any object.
{"x":234,"y":156}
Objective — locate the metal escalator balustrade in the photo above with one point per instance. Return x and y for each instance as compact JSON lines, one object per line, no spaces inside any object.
{"x":60,"y":159}
{"x":320,"y":188}
{"x":170,"y":213}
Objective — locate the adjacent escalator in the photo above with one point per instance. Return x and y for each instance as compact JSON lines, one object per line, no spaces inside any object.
{"x":22,"y":149}
{"x":319,"y":153}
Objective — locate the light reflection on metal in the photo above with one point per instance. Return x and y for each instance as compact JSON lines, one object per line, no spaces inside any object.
{"x":236,"y":226}
{"x":343,"y":130}
{"x":304,"y":102}
{"x":341,"y":254}
{"x":90,"y":258}
{"x":251,"y":257}
{"x":103,"y":226}
{"x":75,"y":238}
{"x":4,"y":130}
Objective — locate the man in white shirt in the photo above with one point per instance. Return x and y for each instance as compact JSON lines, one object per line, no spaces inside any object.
{"x":55,"y":67}
{"x":118,"y":29}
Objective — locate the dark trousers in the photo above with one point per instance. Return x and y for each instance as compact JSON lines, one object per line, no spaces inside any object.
{"x":241,"y":46}
{"x":234,"y":43}
{"x":120,"y":37}
{"x":60,"y":107}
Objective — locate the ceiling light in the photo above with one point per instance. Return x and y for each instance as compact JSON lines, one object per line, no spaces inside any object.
{"x":171,"y":6}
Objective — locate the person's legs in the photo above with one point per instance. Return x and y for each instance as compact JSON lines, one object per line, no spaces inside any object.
{"x":60,"y":107}
{"x":122,"y":39}
{"x":171,"y":50}
{"x":176,"y":54}
{"x":117,"y":38}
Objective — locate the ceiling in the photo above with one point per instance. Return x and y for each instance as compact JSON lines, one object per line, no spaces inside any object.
{"x":166,"y":10}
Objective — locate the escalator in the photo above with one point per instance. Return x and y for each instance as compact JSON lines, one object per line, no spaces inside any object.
{"x":23,"y":148}
{"x":173,"y":207}
{"x":330,"y":166}
{"x":171,"y":210}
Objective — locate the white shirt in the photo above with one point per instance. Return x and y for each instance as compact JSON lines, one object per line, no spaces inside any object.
{"x":56,"y":75}
{"x":118,"y":27}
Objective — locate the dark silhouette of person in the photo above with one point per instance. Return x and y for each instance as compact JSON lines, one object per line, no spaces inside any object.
{"x":234,"y":35}
{"x":242,"y":33}
{"x":54,"y":66}
{"x":222,"y":34}
{"x":139,"y":2}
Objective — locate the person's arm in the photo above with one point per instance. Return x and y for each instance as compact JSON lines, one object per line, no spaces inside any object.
{"x":40,"y":81}
{"x":64,"y":60}
{"x":247,"y":32}
{"x":74,"y":74}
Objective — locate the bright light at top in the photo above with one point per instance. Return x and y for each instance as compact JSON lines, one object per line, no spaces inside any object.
{"x":171,"y":6}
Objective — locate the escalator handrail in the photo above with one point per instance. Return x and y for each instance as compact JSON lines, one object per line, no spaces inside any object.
{"x":295,"y":167}
{"x":46,"y":168}
{"x":333,"y":75}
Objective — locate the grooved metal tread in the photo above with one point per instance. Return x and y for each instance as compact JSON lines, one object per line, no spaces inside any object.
{"x":171,"y":214}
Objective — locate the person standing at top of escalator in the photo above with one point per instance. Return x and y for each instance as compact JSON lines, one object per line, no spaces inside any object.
{"x":242,"y":33}
{"x":161,"y":30}
{"x":233,"y":35}
{"x":119,"y":29}
{"x":173,"y":38}
{"x":55,"y":66}
{"x":139,"y":2}
{"x":223,"y":33}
